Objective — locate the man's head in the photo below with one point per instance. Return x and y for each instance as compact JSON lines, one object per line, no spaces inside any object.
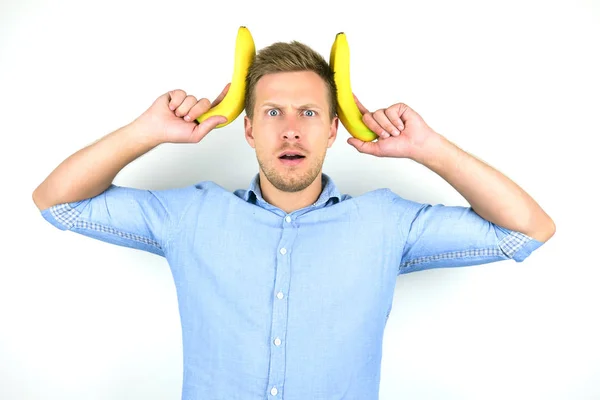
{"x":290,"y":107}
{"x":288,"y":57}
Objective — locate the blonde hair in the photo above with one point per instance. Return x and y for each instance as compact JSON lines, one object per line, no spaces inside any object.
{"x":288,"y":57}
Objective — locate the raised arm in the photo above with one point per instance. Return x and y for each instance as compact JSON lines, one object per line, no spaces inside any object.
{"x":91,"y":170}
{"x":491,"y":194}
{"x":402,"y":133}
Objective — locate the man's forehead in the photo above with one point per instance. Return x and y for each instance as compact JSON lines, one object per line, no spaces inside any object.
{"x":268,"y":103}
{"x":307,"y":80}
{"x":304,"y":87}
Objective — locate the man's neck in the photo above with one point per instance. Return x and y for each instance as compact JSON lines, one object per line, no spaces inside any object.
{"x":290,"y":201}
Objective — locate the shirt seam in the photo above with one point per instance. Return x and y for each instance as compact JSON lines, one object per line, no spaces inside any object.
{"x":507,"y":247}
{"x":166,"y":230}
{"x":483,"y":252}
{"x":81,"y":224}
{"x":177,"y":227}
{"x":399,"y":225}
{"x":71,"y":218}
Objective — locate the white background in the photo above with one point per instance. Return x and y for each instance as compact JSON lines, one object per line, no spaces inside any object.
{"x":514,"y":82}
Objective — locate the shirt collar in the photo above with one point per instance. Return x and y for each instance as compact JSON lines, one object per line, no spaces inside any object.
{"x":329,"y":192}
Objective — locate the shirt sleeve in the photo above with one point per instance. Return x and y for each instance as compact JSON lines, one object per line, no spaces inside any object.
{"x":440,"y":236}
{"x":135,"y":218}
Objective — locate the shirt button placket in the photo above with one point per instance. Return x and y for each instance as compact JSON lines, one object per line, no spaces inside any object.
{"x":279,"y":322}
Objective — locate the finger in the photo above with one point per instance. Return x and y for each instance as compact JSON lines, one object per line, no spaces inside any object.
{"x":382,"y":119}
{"x":202,"y":106}
{"x":373,"y":125}
{"x":221,"y":96}
{"x":185,"y":107}
{"x":363,"y":109}
{"x":394,"y":117}
{"x":206,"y":126}
{"x":176,"y":97}
{"x":405,"y":113}
{"x":365,"y":147}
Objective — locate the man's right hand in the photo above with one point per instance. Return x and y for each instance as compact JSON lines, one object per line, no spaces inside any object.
{"x":90,"y":171}
{"x":172,"y":118}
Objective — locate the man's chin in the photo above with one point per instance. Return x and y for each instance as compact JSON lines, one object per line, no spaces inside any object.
{"x":291,"y":181}
{"x":290,"y":186}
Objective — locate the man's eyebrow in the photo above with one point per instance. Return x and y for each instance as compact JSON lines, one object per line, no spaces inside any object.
{"x":302,"y":107}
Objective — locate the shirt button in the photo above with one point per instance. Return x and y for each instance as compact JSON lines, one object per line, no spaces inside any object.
{"x":288,"y":219}
{"x":274,"y":391}
{"x":277,"y":342}
{"x":280,"y":295}
{"x":283,"y":250}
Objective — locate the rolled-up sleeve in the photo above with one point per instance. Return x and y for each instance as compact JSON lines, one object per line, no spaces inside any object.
{"x":129,"y":217}
{"x":440,"y":236}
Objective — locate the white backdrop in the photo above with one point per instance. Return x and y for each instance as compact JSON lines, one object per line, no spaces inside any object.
{"x":514,"y":82}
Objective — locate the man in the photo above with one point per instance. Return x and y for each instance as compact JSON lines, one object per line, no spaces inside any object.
{"x":284,"y":289}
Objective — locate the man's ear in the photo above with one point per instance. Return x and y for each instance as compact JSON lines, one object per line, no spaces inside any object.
{"x":248,"y":134}
{"x":333,"y":128}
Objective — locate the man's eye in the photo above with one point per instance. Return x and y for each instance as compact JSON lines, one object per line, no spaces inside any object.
{"x":309,"y":113}
{"x":273,"y":113}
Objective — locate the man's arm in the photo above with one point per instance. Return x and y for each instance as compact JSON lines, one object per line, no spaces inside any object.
{"x":490,"y":193}
{"x":402,"y":133}
{"x":91,"y":170}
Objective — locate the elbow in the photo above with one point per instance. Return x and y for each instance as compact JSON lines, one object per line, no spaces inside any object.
{"x":544,"y":231}
{"x":38,"y":200}
{"x":551,"y":229}
{"x":35,"y":198}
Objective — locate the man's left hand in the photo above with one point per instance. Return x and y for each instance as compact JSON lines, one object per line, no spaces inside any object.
{"x":401,"y":130}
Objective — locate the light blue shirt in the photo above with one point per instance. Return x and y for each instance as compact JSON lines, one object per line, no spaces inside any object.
{"x":287,"y":306}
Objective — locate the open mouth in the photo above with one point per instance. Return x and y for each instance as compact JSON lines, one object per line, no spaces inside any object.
{"x":291,"y":158}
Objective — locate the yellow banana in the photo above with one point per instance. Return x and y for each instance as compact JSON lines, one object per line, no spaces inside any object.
{"x":232,"y":104}
{"x":347,"y":110}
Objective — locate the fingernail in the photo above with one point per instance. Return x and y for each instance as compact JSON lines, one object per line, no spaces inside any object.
{"x":187,"y":117}
{"x":171,"y":107}
{"x":396,"y":132}
{"x":385,"y":134}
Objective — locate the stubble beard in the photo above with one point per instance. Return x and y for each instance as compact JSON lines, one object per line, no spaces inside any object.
{"x":290,"y":179}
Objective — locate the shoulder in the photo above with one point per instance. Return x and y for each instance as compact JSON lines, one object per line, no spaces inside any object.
{"x":383,"y":196}
{"x":179,"y":199}
{"x":200,"y":188}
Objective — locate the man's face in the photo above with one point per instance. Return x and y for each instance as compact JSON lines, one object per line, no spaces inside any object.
{"x":291,"y":129}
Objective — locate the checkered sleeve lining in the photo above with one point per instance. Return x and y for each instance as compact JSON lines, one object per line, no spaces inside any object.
{"x":69,"y":217}
{"x":508,"y":246}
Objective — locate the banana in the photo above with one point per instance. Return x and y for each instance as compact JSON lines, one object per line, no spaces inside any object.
{"x":347,"y":110}
{"x":232,"y":104}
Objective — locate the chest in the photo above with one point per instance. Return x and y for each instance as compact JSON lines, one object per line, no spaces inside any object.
{"x":335,"y":260}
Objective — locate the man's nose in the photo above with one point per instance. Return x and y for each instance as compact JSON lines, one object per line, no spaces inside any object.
{"x":291,"y":129}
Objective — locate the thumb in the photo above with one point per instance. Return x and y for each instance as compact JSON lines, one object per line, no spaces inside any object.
{"x":364,"y":147}
{"x":206,"y":126}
